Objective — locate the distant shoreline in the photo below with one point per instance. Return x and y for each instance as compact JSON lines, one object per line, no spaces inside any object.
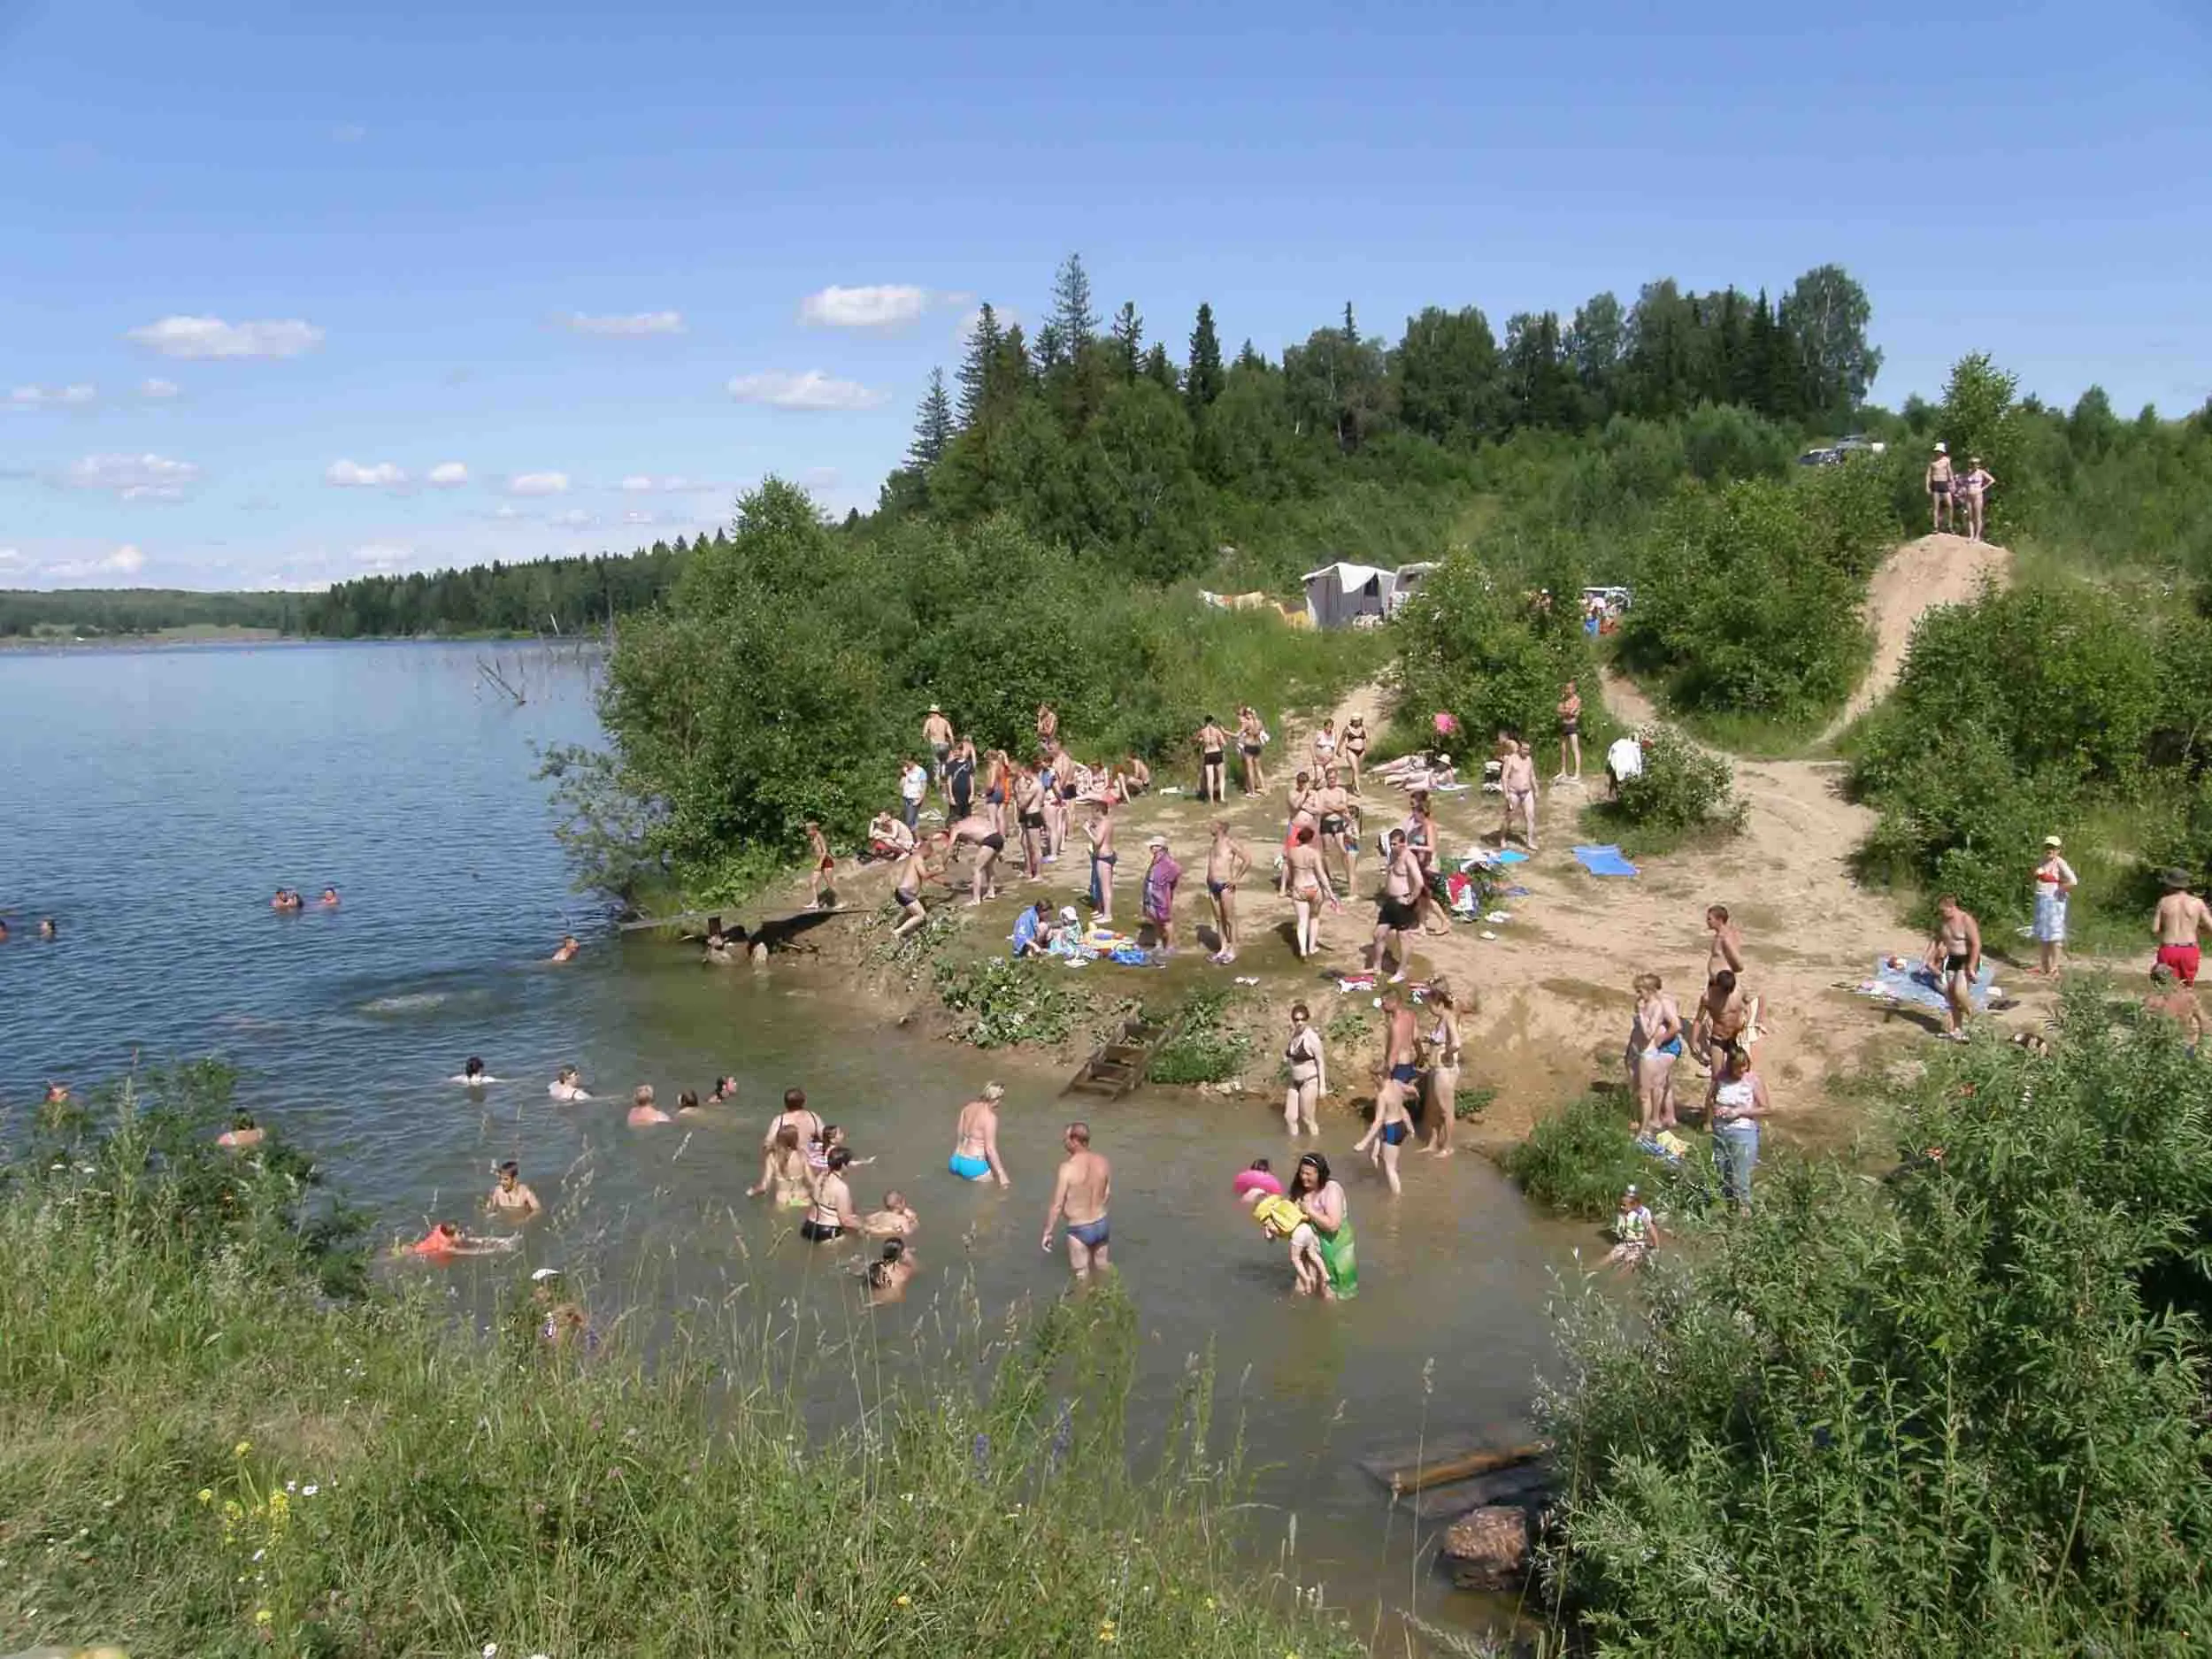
{"x":207,"y":636}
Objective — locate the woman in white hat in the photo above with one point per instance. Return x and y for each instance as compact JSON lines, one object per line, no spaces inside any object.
{"x":2054,"y":879}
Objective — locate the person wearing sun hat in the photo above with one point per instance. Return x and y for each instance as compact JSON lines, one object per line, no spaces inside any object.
{"x":1939,"y":489}
{"x":2054,"y":879}
{"x":2177,"y":924}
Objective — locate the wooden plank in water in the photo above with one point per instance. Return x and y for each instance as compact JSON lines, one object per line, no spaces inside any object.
{"x":1439,"y":1471}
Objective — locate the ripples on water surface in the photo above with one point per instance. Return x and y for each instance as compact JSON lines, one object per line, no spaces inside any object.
{"x":155,"y":799}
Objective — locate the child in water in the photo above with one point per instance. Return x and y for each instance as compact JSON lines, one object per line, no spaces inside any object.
{"x":1279,"y":1218}
{"x":888,"y":1274}
{"x":1635,"y":1232}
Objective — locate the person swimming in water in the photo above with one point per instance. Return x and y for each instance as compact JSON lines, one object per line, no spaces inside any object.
{"x":242,"y":1132}
{"x":473,"y":1074}
{"x":566,"y":1087}
{"x":568,"y":949}
{"x":330,"y":898}
{"x":509,"y":1197}
{"x":888,"y":1274}
{"x":784,"y":1171}
{"x":975,"y":1150}
{"x":895,"y":1219}
{"x":725,"y":1091}
{"x":448,"y":1239}
{"x":831,"y":1216}
{"x":643,"y":1112}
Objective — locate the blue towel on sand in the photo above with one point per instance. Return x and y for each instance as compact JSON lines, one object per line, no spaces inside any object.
{"x":1604,"y":860}
{"x":1918,"y":986}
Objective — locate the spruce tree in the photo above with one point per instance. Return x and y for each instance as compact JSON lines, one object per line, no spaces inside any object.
{"x":984,"y":342}
{"x":1159,"y":369}
{"x":1071,"y":312}
{"x":933,"y":425}
{"x":1202,"y":384}
{"x":1128,"y":340}
{"x":1248,"y":358}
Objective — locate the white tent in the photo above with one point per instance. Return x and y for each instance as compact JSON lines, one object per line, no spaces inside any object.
{"x":1339,"y":595}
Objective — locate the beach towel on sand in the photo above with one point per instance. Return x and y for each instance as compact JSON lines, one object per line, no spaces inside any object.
{"x":1916,"y":983}
{"x":1603,"y":861}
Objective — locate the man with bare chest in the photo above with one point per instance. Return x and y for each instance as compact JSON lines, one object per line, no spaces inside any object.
{"x":1723,"y":1013}
{"x":1395,"y":914}
{"x":2180,"y":919}
{"x":1518,"y":776}
{"x":1227,"y":862}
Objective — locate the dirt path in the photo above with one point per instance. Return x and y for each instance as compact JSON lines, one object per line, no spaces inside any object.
{"x":1936,"y":570}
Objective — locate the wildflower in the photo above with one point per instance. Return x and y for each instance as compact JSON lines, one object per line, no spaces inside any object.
{"x":242,"y":1448}
{"x":491,"y":1650}
{"x":906,"y":1600}
{"x":310,"y":1490}
{"x":207,"y":1495}
{"x":261,"y":1616}
{"x":258,"y":1554}
{"x":291,"y":1486}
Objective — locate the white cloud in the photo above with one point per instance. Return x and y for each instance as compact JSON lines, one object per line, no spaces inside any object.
{"x":812,"y":390}
{"x":157,"y":388}
{"x":382,"y":556}
{"x":884,"y":305}
{"x":12,"y":556}
{"x":538,"y":484}
{"x":125,"y":561}
{"x":574,"y":518}
{"x":505,"y":511}
{"x":632,"y":517}
{"x":58,"y":396}
{"x":635,"y":323}
{"x":132,"y":477}
{"x":349,"y":132}
{"x":353,"y":475}
{"x":645,"y":484}
{"x":447,"y":475}
{"x":213,"y":337}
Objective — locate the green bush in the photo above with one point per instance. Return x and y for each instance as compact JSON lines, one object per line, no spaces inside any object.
{"x":241,"y":1466}
{"x":999,"y":1001}
{"x":1682,"y":787}
{"x":1577,"y":1160}
{"x":1956,"y":1411}
{"x":1747,"y":597}
{"x":1205,"y":1047}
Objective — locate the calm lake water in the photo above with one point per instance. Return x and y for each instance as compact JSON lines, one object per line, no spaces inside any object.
{"x":156,"y":798}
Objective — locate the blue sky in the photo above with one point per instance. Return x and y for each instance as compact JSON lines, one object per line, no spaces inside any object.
{"x":288,"y":297}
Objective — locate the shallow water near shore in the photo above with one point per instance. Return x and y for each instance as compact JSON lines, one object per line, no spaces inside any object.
{"x":157,"y":797}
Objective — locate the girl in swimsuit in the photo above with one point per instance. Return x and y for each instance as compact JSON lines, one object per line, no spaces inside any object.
{"x":1354,"y":745}
{"x":1421,"y":837}
{"x":1654,"y":1043}
{"x":784,"y":1171}
{"x":975,"y":1148}
{"x":1309,"y":1073}
{"x":1444,"y":1069}
{"x":1307,"y":882}
{"x":817,"y":845}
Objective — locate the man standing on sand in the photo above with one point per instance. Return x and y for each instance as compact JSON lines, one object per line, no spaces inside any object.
{"x":1099,"y":832}
{"x":960,"y":779}
{"x":1727,"y":946}
{"x":1938,"y":482}
{"x":1396,"y":914}
{"x":1086,"y":1184}
{"x":1518,"y":777}
{"x":2179,"y":919}
{"x":937,"y":733}
{"x":1976,"y":486}
{"x":1955,"y":954}
{"x":1227,"y":862}
{"x":1212,"y":742}
{"x":1570,"y":734}
{"x":1161,"y":878}
{"x":1722,"y":1014}
{"x":1029,"y":809}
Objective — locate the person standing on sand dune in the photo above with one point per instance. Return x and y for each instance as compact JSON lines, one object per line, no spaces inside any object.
{"x":1976,"y":486}
{"x":1212,"y":744}
{"x":2181,"y":916}
{"x":1726,"y":951}
{"x":1938,"y":482}
{"x":1081,"y":1192}
{"x":2055,"y":881}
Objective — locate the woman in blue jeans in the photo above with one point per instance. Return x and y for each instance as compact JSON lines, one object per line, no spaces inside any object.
{"x":1735,"y":1104}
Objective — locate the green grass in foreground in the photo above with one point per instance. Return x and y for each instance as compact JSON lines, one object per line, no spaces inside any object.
{"x":209,"y":1454}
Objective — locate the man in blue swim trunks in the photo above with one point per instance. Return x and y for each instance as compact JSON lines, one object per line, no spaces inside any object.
{"x":1081,"y":1192}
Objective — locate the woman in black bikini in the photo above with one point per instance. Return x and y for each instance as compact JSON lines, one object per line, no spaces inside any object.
{"x":1354,"y":743}
{"x":980,"y":834}
{"x":832,"y":1215}
{"x":1250,"y":740}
